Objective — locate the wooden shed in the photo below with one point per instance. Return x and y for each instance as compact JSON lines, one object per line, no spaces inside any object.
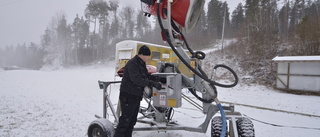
{"x":298,"y":73}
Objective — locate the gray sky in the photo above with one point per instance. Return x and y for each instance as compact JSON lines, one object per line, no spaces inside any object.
{"x":26,"y":20}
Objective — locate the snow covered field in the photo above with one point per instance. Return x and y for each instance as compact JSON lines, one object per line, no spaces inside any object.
{"x":62,"y":103}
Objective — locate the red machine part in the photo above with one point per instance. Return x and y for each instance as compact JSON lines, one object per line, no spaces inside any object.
{"x":179,"y":10}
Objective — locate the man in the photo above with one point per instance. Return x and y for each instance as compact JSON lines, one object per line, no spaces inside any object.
{"x":135,"y":79}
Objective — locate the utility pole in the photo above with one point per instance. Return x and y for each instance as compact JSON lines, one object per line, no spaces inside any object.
{"x":223,"y":27}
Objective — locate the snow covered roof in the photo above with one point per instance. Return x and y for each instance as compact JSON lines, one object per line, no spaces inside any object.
{"x":296,"y":59}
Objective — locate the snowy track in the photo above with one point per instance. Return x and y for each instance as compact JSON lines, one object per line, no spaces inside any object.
{"x":63,"y":103}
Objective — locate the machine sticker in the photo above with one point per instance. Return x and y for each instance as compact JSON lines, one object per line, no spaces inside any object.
{"x":162,"y":100}
{"x":172,"y":102}
{"x":193,"y":65}
{"x":165,"y":56}
{"x":164,"y":87}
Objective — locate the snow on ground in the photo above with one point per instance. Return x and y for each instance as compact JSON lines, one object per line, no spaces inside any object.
{"x":63,"y":103}
{"x":218,"y":45}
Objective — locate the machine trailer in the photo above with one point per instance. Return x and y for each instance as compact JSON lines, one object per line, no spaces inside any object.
{"x":178,"y":14}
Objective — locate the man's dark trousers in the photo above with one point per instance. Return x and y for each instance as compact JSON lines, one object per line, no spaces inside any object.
{"x":130,"y":105}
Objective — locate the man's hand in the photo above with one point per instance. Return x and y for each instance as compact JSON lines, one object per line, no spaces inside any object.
{"x":154,"y":78}
{"x":156,"y":85}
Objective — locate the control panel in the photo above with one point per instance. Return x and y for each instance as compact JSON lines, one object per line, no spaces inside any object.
{"x":170,"y":93}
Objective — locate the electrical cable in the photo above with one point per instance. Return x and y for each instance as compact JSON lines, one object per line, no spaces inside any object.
{"x":192,"y":102}
{"x":278,"y":125}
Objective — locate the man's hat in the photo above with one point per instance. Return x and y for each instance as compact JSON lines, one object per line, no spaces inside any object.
{"x":144,"y":50}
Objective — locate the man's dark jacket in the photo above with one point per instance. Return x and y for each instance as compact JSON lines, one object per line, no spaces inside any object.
{"x":135,"y":77}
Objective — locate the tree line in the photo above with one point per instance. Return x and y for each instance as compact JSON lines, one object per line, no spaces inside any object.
{"x":259,"y":25}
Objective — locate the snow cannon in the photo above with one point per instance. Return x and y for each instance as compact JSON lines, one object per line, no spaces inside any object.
{"x":159,"y":112}
{"x":184,"y":12}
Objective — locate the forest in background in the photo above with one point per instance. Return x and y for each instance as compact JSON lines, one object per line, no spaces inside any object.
{"x":264,"y":29}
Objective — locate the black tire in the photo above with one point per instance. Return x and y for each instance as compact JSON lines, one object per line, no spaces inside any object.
{"x":245,"y":127}
{"x":96,"y":131}
{"x":216,"y":127}
{"x":101,"y":128}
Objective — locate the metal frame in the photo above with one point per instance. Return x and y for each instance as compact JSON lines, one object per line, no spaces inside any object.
{"x":231,"y":115}
{"x":106,"y":99}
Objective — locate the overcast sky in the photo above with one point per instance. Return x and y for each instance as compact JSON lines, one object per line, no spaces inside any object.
{"x":26,"y":20}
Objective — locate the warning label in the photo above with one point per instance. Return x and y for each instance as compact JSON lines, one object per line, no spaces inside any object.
{"x":162,"y":100}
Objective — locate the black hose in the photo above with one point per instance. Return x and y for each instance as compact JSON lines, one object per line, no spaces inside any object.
{"x":236,"y":79}
{"x":202,"y":74}
{"x":198,"y":54}
{"x":175,"y":51}
{"x":169,"y":117}
{"x":199,"y":98}
{"x":175,"y":27}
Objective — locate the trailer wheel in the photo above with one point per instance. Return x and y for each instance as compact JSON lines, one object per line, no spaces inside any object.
{"x":245,"y":127}
{"x":101,"y":128}
{"x":216,"y":127}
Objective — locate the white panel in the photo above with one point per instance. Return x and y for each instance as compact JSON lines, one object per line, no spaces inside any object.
{"x":304,"y":83}
{"x":125,"y":54}
{"x":282,"y":67}
{"x":283,"y":79}
{"x":309,"y":68}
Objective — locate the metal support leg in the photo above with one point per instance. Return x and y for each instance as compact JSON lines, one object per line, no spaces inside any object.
{"x":212,"y":110}
{"x":104,"y":86}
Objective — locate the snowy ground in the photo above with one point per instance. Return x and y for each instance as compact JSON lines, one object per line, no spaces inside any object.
{"x":63,"y":103}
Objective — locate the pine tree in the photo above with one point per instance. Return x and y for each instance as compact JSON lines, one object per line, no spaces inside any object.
{"x":143,"y":25}
{"x":226,"y":19}
{"x":34,"y":56}
{"x":63,"y":36}
{"x":197,"y":37}
{"x":96,"y":10}
{"x":284,"y":20}
{"x":9,"y":56}
{"x":238,"y":18}
{"x":128,"y":23}
{"x":215,"y":18}
{"x":308,"y":31}
{"x":2,"y":58}
{"x":53,"y":41}
{"x":84,"y":42}
{"x":252,"y":15}
{"x":20,"y":54}
{"x":114,"y":28}
{"x":76,"y":29}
